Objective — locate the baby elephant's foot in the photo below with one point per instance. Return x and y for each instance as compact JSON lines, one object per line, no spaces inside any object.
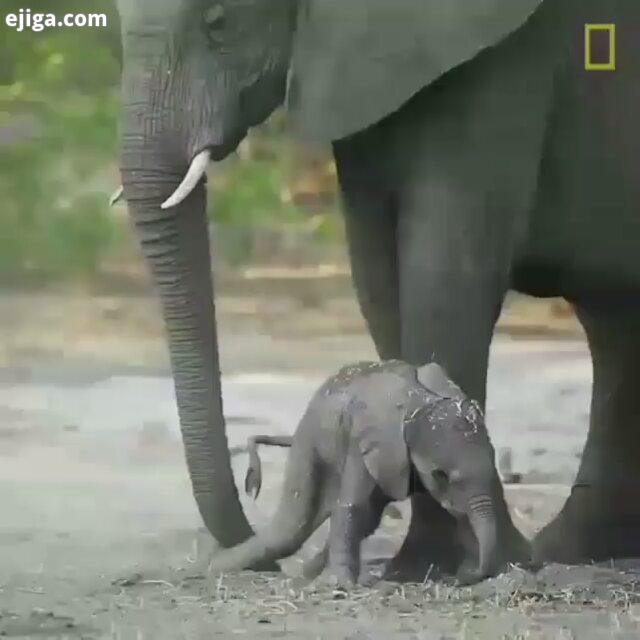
{"x":342,"y":578}
{"x":268,"y":566}
{"x":468,"y":573}
{"x":372,"y":576}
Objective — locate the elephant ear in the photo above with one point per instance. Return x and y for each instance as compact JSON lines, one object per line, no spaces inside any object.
{"x":434,"y":378}
{"x":380,"y":437}
{"x":356,"y":61}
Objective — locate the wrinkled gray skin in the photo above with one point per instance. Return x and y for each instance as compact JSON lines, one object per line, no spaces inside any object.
{"x":378,"y":432}
{"x":183,"y":93}
{"x":474,"y":155}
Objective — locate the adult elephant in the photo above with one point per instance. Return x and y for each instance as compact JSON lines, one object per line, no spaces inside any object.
{"x":474,"y":154}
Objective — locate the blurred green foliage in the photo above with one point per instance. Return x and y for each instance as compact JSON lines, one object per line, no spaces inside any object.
{"x":58,"y":108}
{"x":59,"y":91}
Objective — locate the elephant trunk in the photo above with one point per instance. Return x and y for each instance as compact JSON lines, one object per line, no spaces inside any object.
{"x":482,"y":517}
{"x":176,"y":247}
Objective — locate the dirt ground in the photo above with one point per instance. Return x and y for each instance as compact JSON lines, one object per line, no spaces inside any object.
{"x":100,"y":538}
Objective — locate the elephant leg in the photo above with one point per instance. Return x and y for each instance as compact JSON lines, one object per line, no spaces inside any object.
{"x":451,"y":292}
{"x":601,"y":518}
{"x":313,"y":567}
{"x":371,"y":226}
{"x":355,"y":515}
{"x":350,"y":525}
{"x":467,"y":157}
{"x":461,"y":163}
{"x":370,"y":222}
{"x":318,"y":563}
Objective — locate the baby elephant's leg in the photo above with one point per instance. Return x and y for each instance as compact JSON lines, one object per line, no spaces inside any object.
{"x":316,"y":565}
{"x":355,"y":516}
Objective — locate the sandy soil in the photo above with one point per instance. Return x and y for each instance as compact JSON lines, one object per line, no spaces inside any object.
{"x":99,"y":536}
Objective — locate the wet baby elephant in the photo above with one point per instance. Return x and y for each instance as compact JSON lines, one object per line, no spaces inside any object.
{"x":372,"y":434}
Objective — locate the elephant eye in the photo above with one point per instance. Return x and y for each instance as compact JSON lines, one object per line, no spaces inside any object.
{"x":215,"y":19}
{"x":440,"y":477}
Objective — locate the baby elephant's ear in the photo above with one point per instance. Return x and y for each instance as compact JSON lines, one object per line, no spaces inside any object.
{"x":384,"y":451}
{"x":434,"y":378}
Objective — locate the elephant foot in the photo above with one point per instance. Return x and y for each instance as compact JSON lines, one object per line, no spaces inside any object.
{"x":593,"y":526}
{"x":601,"y":519}
{"x":370,"y":578}
{"x":266,"y":566}
{"x":338,"y":578}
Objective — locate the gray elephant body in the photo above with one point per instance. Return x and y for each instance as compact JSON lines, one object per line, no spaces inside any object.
{"x":475,"y":154}
{"x":378,"y":432}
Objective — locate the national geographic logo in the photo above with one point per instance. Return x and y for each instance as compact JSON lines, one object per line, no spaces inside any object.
{"x":600,"y":47}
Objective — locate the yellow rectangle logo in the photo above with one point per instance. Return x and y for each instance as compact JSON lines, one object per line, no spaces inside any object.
{"x":589,"y":31}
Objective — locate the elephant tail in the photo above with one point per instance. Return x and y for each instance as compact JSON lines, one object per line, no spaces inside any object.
{"x":298,"y":514}
{"x":253,"y":479}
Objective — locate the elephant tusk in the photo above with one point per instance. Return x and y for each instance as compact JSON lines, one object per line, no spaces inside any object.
{"x":197,"y":169}
{"x":117,"y":196}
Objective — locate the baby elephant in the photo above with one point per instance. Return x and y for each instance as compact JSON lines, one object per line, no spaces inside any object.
{"x":372,"y":434}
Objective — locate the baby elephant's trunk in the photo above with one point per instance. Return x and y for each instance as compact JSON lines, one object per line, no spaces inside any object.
{"x":482,"y":517}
